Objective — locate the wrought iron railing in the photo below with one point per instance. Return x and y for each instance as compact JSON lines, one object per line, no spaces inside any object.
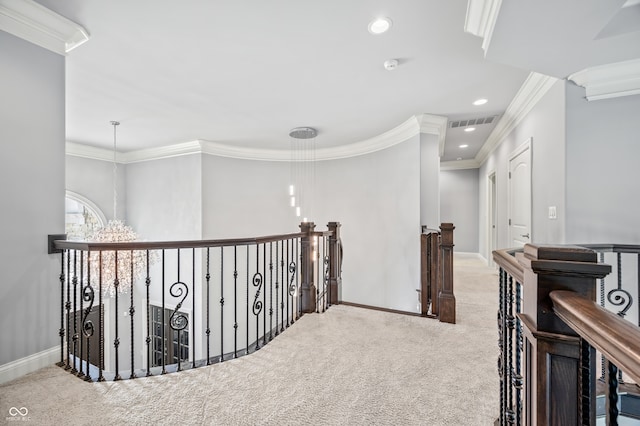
{"x":202,"y":302}
{"x":551,"y":322}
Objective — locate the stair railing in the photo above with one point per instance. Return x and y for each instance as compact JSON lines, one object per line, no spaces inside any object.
{"x":550,"y":326}
{"x":175,"y":305}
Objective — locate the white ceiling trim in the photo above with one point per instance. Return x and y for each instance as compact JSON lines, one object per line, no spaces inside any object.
{"x":423,"y":123}
{"x":37,"y":24}
{"x":529,"y":94}
{"x":91,"y":152}
{"x":459,"y":165}
{"x":434,"y":125}
{"x":481,"y":19}
{"x":609,"y":81}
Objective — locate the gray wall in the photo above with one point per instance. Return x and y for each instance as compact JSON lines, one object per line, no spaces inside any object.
{"x":603,"y":189}
{"x":164,"y":198}
{"x":545,"y":124}
{"x":93,"y":179}
{"x":459,"y":205}
{"x":429,"y":181}
{"x":32,"y":189}
{"x":376,"y":197}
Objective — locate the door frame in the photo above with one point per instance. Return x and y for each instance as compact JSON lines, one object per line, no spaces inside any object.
{"x":492,"y":225}
{"x":527,"y":144}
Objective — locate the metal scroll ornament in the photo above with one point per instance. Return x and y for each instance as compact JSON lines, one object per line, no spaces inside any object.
{"x":292,"y":284}
{"x":88,"y":295}
{"x":620,"y":297}
{"x":257,"y":303}
{"x":179,"y":320}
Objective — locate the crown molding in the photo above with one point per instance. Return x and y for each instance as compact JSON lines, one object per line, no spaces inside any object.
{"x":481,"y":19}
{"x":532,"y":90}
{"x":434,"y":125}
{"x":411,"y":127}
{"x":168,"y":151}
{"x":94,"y":153}
{"x":459,"y":165}
{"x":609,"y":81}
{"x":35,"y":23}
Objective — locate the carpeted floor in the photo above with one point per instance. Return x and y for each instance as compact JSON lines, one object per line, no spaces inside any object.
{"x":349,"y":366}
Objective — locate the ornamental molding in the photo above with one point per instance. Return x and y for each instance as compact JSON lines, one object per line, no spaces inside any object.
{"x":610,"y":80}
{"x":481,"y":19}
{"x":424,"y":123}
{"x":532,"y":90}
{"x":35,"y":23}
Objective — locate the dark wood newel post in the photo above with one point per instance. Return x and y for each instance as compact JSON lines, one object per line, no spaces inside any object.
{"x":307,"y":266}
{"x":335,"y":263}
{"x":555,"y":391}
{"x":446,"y":299}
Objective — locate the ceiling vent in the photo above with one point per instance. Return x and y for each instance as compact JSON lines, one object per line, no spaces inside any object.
{"x":472,"y":122}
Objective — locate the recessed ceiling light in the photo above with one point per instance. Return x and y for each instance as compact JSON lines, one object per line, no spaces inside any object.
{"x":379,"y":25}
{"x":479,"y":102}
{"x":464,"y":146}
{"x":469,"y":129}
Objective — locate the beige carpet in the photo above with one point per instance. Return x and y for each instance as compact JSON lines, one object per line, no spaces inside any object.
{"x":349,"y":366}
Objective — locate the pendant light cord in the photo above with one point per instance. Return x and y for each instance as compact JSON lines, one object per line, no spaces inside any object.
{"x":115,"y":172}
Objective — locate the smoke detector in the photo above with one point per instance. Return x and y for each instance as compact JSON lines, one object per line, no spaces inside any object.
{"x":390,"y":64}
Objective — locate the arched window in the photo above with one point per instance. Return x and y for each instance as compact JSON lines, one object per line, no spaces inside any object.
{"x":82,"y":217}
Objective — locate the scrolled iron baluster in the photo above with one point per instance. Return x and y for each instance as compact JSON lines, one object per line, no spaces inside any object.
{"x":257,"y":305}
{"x":116,"y":341}
{"x":270,"y":291}
{"x":178,"y":321}
{"x":193,"y":304}
{"x":246,"y":351}
{"x":292,"y":287}
{"x":88,"y":295}
{"x":282,"y":287}
{"x":100,"y":321}
{"x":517,"y":379}
{"x":221,"y":304}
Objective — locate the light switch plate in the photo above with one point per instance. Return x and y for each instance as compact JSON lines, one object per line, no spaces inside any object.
{"x":552,"y":212}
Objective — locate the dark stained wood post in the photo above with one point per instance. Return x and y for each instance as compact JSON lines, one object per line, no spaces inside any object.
{"x":335,"y":263}
{"x":307,"y":268}
{"x":425,"y":287}
{"x":553,"y":385}
{"x":435,"y":276}
{"x":446,"y":299}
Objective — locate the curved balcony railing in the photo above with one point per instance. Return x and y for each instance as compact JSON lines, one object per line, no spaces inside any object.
{"x":145,"y":308}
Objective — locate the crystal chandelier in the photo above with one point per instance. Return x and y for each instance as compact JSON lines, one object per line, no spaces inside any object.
{"x":303,"y":173}
{"x":130,"y":264}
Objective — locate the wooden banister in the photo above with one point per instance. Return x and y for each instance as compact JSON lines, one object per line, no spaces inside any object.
{"x":616,"y":338}
{"x":507,"y":261}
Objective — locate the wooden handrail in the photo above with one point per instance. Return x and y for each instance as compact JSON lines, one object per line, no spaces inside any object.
{"x":616,"y":338}
{"x":507,"y":261}
{"x":613,"y":248}
{"x":158,"y":245}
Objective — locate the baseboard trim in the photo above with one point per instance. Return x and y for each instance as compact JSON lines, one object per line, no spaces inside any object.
{"x":28,"y":364}
{"x":377,"y":308}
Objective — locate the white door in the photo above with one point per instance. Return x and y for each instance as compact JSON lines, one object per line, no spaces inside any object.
{"x":520,"y":196}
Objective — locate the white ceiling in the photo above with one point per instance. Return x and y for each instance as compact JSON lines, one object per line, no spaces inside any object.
{"x":244,"y":73}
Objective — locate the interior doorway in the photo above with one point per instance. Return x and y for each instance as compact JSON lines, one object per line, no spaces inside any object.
{"x":520,"y":196}
{"x":492,"y":217}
